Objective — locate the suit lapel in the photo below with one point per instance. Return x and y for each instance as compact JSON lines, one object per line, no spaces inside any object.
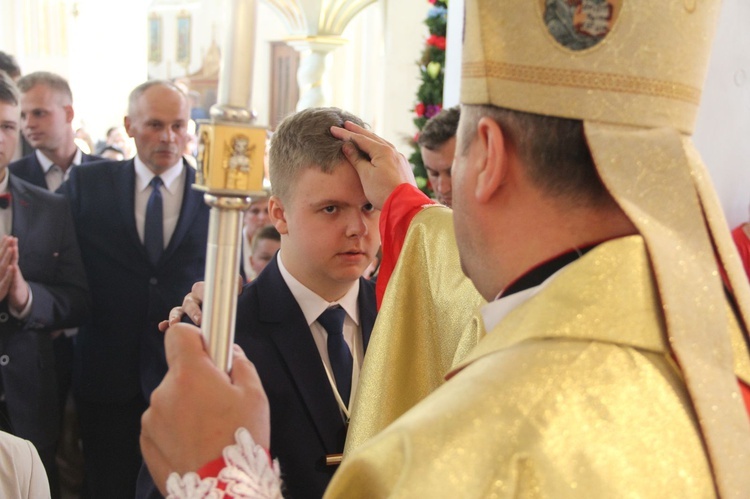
{"x":123,"y":186}
{"x":367,"y":310}
{"x":36,"y":172}
{"x":191,"y":203}
{"x":22,"y":210}
{"x":291,"y":335}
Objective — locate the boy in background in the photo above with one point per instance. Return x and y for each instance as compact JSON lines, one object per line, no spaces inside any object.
{"x":266,"y":242}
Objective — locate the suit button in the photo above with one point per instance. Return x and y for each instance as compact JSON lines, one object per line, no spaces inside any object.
{"x":4,"y":360}
{"x":3,"y":317}
{"x":153,"y":281}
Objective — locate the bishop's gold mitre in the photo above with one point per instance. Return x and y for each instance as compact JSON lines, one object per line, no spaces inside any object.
{"x":632,"y":71}
{"x":629,"y":62}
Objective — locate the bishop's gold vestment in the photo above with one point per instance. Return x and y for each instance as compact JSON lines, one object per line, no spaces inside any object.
{"x":427,"y":323}
{"x":573,"y":394}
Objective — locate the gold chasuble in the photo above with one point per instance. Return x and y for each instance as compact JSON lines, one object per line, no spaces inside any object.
{"x":574,"y":394}
{"x":428,"y":321}
{"x":619,"y":378}
{"x":616,"y":377}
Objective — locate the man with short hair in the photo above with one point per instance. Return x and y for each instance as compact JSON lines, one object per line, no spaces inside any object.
{"x":287,"y":316}
{"x":143,"y":231}
{"x":46,"y":119}
{"x":615,"y":361}
{"x":329,"y":234}
{"x":42,"y":289}
{"x":437,"y":144}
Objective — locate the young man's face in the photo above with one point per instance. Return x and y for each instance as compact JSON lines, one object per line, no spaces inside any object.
{"x":329,"y":231}
{"x":9,"y":116}
{"x":159,"y":127}
{"x":438,"y":165}
{"x":45,"y":117}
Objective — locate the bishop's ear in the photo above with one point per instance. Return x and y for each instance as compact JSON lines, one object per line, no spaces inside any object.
{"x":493,"y":158}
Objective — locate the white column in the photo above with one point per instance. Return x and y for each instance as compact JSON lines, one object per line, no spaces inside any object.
{"x":312,"y":69}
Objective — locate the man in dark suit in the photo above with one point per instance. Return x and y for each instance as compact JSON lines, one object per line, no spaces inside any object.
{"x":309,"y":423}
{"x":42,"y":289}
{"x":46,"y":118}
{"x":142,"y":231}
{"x":329,"y":235}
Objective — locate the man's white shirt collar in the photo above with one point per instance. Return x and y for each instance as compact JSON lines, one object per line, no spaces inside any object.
{"x":144,"y":175}
{"x":47,"y":163}
{"x":4,"y":183}
{"x":312,"y":304}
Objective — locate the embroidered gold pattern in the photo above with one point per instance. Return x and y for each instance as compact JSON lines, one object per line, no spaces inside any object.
{"x":582,"y":79}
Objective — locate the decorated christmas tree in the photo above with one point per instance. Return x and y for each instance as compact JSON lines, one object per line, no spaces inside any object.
{"x":430,"y":93}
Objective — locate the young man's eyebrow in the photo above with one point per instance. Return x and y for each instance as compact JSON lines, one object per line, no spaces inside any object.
{"x":327,"y":202}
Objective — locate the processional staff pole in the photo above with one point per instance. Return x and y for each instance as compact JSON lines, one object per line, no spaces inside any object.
{"x":230,"y":172}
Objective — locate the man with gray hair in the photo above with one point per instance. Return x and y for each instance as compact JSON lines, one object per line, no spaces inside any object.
{"x":143,"y":232}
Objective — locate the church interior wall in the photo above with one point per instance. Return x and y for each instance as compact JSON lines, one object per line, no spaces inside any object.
{"x":722,"y":133}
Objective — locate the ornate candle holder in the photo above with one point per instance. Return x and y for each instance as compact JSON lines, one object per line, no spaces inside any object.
{"x":230,"y":172}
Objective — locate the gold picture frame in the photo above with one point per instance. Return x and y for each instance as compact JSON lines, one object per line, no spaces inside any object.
{"x":154,"y":38}
{"x":182,"y":55}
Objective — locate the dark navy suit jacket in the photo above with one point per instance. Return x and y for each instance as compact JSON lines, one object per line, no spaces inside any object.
{"x":29,"y":168}
{"x":50,"y":262}
{"x":120,"y":351}
{"x":306,"y":423}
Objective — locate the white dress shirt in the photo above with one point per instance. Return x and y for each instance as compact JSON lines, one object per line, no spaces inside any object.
{"x":313,"y":305}
{"x":53,"y":174}
{"x":171,"y":193}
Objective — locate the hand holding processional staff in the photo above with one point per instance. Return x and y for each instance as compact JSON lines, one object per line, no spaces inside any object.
{"x":230,"y":171}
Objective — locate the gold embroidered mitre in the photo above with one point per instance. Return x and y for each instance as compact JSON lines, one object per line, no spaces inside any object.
{"x":628,"y":62}
{"x":632,"y":71}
